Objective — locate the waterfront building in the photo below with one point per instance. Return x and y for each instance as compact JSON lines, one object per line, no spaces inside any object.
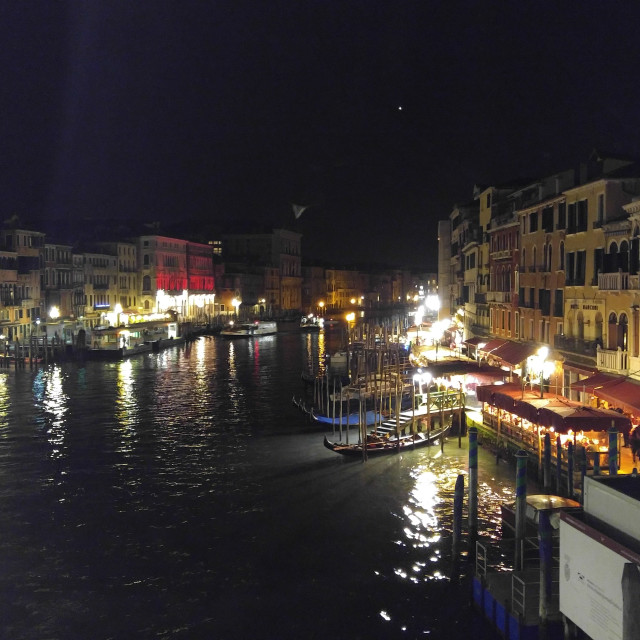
{"x":313,"y":289}
{"x":201,"y":286}
{"x":127,"y":284}
{"x":464,"y":227}
{"x":596,"y":309}
{"x":343,"y":286}
{"x":444,"y":269}
{"x":277,"y":248}
{"x":100,"y":288}
{"x":20,"y":294}
{"x":56,"y":286}
{"x":542,"y":212}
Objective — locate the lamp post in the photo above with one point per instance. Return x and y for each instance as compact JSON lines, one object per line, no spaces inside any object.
{"x":543,"y":352}
{"x":321,"y":305}
{"x":235,"y":303}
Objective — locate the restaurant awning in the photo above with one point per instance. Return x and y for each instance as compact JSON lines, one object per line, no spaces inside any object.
{"x":596,"y":381}
{"x":474,"y":342}
{"x":624,"y":395}
{"x":513,"y":353}
{"x":491,"y":345}
{"x":581,"y":418}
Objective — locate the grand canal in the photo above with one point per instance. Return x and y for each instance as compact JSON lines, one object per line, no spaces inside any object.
{"x":182,"y":495}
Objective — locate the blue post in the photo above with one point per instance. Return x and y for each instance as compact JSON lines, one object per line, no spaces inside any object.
{"x":547,"y":463}
{"x":521,"y":508}
{"x":558,"y":465}
{"x":596,"y":463}
{"x":613,"y":452}
{"x":545,"y":542}
{"x":458,"y":497}
{"x":583,"y":471}
{"x":570,"y":470}
{"x":473,"y":486}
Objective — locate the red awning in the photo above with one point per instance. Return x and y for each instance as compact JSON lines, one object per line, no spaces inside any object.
{"x":491,"y":345}
{"x":624,"y":395}
{"x":474,"y":341}
{"x":513,"y":353}
{"x":580,"y":418}
{"x":596,"y":381}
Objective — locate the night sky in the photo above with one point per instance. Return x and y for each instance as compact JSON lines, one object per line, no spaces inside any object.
{"x":379,"y":115}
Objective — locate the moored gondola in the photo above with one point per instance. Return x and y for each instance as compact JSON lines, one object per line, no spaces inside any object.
{"x":377,"y":444}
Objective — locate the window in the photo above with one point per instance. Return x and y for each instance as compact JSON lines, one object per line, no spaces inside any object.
{"x":601,"y":208}
{"x":533,"y":222}
{"x":547,"y":219}
{"x":582,"y":216}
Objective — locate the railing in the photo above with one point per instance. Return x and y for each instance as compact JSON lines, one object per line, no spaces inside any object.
{"x":501,"y":255}
{"x":576,"y":345}
{"x":498,"y":296}
{"x":613,"y":281}
{"x":613,"y":359}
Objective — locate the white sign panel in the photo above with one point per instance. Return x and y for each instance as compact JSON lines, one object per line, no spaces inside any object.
{"x":590,"y":583}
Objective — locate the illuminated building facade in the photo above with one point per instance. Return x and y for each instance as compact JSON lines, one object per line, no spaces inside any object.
{"x":20,"y":295}
{"x":100,"y":287}
{"x":57,"y":279}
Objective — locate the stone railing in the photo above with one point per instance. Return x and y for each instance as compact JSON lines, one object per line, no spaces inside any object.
{"x":615,"y":360}
{"x":613,"y":281}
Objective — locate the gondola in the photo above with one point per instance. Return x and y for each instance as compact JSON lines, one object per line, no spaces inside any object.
{"x":379,"y":445}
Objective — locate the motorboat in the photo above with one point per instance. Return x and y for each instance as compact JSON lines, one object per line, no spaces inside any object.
{"x":249,"y":329}
{"x":311,"y":323}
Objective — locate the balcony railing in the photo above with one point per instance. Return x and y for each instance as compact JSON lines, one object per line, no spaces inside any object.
{"x":504,"y":254}
{"x":576,"y":345}
{"x":615,"y":360}
{"x":498,"y":296}
{"x":620,"y":281}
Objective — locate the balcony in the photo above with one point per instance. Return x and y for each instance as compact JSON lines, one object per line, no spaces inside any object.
{"x":505,"y":254}
{"x":498,"y":296}
{"x":620,"y":281}
{"x":614,"y":360}
{"x":576,"y":345}
{"x":480,"y":298}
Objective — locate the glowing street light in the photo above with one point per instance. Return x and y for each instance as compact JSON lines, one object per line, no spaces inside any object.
{"x":54,"y":313}
{"x":321,"y":305}
{"x":235,"y":303}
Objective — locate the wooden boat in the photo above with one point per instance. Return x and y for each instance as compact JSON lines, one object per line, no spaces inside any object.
{"x":311,"y":323}
{"x":379,"y":445}
{"x":250,"y":329}
{"x":353,"y":419}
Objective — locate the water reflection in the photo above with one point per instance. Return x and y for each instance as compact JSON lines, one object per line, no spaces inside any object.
{"x":50,"y":397}
{"x":5,"y":399}
{"x":127,"y":410}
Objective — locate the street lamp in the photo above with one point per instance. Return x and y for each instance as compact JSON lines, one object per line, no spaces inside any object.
{"x":321,"y":305}
{"x":543,"y":352}
{"x":235,"y":303}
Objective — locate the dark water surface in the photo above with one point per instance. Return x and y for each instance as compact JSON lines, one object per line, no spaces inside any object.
{"x":182,"y":495}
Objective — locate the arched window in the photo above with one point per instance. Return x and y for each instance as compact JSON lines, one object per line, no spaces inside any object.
{"x":623,"y":262}
{"x":623,"y":331}
{"x":550,"y":263}
{"x":544,"y":256}
{"x":562,"y":256}
{"x":146,"y":283}
{"x":612,"y":337}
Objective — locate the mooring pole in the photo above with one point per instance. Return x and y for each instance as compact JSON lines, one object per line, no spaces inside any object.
{"x":473,"y":487}
{"x":457,"y":526}
{"x":547,"y":463}
{"x":521,"y":508}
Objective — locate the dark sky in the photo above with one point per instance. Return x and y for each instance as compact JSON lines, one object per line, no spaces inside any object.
{"x":381,"y":115}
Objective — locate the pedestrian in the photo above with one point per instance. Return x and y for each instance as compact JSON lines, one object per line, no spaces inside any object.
{"x":634,"y":440}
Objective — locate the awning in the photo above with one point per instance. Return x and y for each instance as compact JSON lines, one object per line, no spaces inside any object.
{"x":580,"y":418}
{"x":513,"y":353}
{"x":491,"y":345}
{"x":625,"y":395}
{"x":596,"y":381}
{"x":474,"y":342}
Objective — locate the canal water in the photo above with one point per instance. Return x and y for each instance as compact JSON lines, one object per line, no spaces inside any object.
{"x":182,"y":495}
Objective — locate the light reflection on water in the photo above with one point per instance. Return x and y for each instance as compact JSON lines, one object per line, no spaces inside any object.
{"x":184,"y":491}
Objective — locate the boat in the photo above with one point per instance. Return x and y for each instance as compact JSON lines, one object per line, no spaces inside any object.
{"x":311,"y":323}
{"x":535,"y":504}
{"x":249,"y":329}
{"x":380,"y":444}
{"x":353,"y":419}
